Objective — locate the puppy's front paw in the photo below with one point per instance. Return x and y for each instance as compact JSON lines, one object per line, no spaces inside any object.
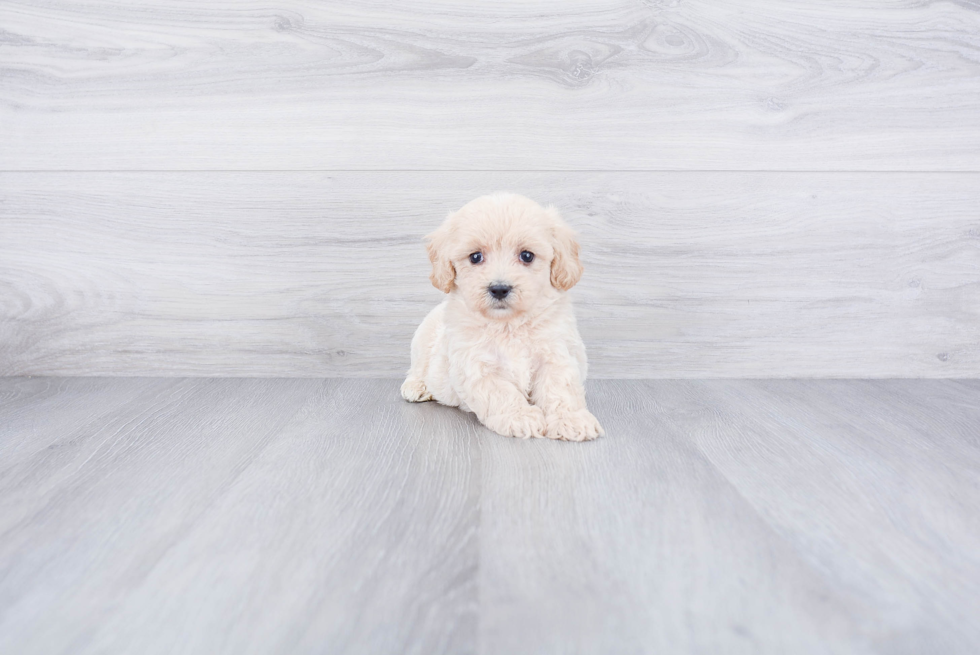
{"x":414,"y":391}
{"x":579,"y":425}
{"x":523,"y":423}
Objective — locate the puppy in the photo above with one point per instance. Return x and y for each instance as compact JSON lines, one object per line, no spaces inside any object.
{"x":504,"y":344}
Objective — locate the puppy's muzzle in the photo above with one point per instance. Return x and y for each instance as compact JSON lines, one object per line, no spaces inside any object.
{"x":499,"y":291}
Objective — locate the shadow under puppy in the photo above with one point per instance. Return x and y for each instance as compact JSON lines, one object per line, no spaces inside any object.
{"x":504,"y":344}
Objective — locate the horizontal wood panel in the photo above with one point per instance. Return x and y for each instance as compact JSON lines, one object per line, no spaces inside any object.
{"x":319,"y":274}
{"x":535,"y":85}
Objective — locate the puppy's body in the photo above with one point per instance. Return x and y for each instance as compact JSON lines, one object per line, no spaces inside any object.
{"x":504,"y":343}
{"x":452,"y":353}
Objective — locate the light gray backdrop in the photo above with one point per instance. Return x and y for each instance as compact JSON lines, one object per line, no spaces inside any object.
{"x":764,"y":189}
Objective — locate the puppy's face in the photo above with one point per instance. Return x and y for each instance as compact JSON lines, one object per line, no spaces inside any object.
{"x":505,"y":255}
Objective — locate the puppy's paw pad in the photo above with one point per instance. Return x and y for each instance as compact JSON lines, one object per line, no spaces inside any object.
{"x":579,"y":425}
{"x":414,"y":391}
{"x":525,"y":423}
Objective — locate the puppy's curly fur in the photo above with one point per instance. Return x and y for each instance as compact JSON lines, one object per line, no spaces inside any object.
{"x":504,"y":344}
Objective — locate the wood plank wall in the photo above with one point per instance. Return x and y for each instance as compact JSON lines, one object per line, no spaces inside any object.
{"x":764,"y":189}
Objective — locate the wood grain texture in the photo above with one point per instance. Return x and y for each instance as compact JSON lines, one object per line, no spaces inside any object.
{"x":640,"y":545}
{"x":295,"y":516}
{"x":530,"y":85}
{"x":324,"y":274}
{"x":755,"y":516}
{"x":856,"y":472}
{"x":243,"y":516}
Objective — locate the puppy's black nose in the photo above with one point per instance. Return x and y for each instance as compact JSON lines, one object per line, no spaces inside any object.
{"x":499,"y":291}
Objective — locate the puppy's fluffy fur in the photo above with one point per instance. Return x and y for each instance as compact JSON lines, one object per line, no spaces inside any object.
{"x":517,"y":361}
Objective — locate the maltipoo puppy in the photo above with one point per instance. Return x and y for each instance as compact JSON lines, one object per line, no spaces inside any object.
{"x":504,"y":344}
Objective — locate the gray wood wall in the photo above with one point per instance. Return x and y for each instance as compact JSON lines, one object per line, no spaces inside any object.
{"x":764,"y":189}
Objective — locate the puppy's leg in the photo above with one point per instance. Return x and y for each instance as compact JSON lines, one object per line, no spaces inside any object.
{"x":414,"y":388}
{"x":502,"y":407}
{"x":559,"y":393}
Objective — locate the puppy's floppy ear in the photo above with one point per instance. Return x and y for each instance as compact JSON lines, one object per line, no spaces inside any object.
{"x":443,"y":274}
{"x":566,"y":269}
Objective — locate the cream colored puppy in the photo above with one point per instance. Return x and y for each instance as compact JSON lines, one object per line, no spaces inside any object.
{"x":504,"y":344}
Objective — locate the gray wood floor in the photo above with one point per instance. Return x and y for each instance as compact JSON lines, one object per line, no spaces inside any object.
{"x":300,"y":515}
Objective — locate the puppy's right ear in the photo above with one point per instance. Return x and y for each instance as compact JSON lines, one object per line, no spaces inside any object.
{"x":443,"y":274}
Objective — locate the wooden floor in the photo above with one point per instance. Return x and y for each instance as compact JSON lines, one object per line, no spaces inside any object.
{"x":299,"y":515}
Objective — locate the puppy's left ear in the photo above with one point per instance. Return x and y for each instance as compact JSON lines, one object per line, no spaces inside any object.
{"x":566,"y":269}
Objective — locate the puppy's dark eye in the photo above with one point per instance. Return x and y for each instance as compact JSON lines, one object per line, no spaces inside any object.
{"x":476,"y":258}
{"x":527,"y":257}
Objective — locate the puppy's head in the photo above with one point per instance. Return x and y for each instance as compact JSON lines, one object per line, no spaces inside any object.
{"x":505,"y":255}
